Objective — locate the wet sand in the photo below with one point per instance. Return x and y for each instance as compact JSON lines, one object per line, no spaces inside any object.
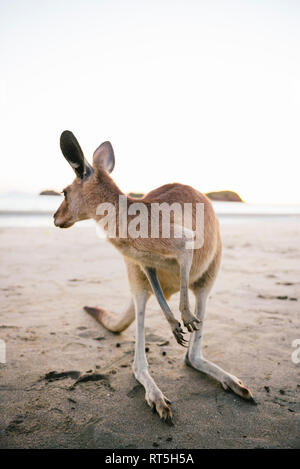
{"x":253,"y":316}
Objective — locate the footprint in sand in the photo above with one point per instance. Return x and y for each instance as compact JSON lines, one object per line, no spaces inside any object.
{"x":89,"y":334}
{"x":74,"y":347}
{"x":285,"y":283}
{"x":279,"y":297}
{"x":55,"y":375}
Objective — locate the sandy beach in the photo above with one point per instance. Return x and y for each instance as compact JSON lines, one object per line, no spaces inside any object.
{"x":48,"y":275}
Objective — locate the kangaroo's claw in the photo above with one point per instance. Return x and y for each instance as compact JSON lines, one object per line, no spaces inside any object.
{"x":178,"y":334}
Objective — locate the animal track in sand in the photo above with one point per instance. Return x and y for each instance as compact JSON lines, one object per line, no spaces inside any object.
{"x":78,"y":377}
{"x":279,"y":297}
{"x":74,"y":347}
{"x":285,"y":283}
{"x":154,"y":338}
{"x":93,"y":377}
{"x":87,"y":334}
{"x":55,"y":375}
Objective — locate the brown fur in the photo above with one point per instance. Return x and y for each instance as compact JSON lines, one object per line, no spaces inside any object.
{"x":82,"y":199}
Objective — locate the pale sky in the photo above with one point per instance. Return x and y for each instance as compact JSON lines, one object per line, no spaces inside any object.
{"x":206,"y":93}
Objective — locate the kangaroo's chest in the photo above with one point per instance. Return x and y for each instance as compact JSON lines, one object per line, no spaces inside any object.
{"x":146,"y":258}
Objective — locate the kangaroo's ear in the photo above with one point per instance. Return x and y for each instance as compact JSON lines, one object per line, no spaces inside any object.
{"x":104,"y":157}
{"x":74,"y":155}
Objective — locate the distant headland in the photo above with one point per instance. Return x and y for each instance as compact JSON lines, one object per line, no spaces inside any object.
{"x":49,"y":192}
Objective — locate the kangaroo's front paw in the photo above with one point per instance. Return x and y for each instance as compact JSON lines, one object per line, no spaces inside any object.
{"x":178,"y":334}
{"x":190,"y":321}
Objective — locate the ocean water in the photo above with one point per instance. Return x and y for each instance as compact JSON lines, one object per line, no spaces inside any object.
{"x":22,"y":209}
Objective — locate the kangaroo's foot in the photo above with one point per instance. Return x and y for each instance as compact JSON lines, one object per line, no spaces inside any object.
{"x":154,"y":397}
{"x":234,"y":384}
{"x":227,"y":380}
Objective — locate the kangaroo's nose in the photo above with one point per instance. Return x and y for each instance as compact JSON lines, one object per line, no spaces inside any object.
{"x":54,"y":218}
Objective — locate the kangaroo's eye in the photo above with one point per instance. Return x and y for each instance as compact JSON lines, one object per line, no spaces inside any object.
{"x":65,"y":194}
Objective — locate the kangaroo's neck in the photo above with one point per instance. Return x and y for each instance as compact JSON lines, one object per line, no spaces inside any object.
{"x":102,"y":190}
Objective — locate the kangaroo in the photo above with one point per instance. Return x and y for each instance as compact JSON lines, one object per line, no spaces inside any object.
{"x":160,"y":265}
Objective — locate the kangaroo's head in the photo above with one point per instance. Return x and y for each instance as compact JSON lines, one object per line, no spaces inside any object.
{"x":78,"y":196}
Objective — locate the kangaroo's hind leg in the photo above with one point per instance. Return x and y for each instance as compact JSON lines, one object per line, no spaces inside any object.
{"x":154,"y":397}
{"x":194,"y":356}
{"x":141,"y":291}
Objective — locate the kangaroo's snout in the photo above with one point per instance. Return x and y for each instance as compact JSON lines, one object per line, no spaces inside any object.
{"x":60,"y":220}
